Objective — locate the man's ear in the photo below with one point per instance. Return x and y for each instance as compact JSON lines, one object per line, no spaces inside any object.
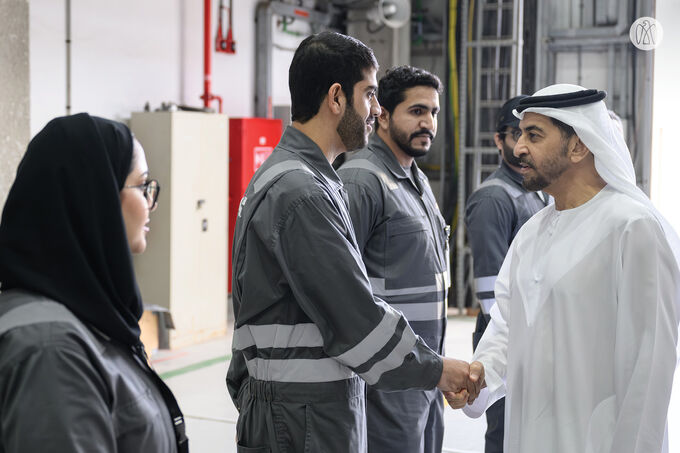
{"x":577,"y":149}
{"x":498,"y":141}
{"x":384,"y":118}
{"x":336,"y":99}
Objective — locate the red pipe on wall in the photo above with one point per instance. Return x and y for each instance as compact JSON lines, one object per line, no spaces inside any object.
{"x":207,"y":56}
{"x":207,"y":63}
{"x":225,"y":44}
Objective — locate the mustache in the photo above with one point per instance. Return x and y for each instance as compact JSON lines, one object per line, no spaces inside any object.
{"x":526,"y":162}
{"x":422,"y":132}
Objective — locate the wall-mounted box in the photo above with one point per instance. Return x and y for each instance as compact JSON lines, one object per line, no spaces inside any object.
{"x":184,"y":267}
{"x":251,"y":142}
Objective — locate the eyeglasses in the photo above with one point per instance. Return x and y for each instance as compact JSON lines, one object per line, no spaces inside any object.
{"x":515,"y":134}
{"x":151,"y":189}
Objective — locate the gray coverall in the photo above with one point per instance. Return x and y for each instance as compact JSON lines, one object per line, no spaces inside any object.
{"x":494,"y":213}
{"x":403,"y":239}
{"x":308,"y":330}
{"x":67,"y":388}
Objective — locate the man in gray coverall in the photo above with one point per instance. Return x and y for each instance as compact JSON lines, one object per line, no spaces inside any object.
{"x":494,"y":213}
{"x":403,"y":239}
{"x":308,"y":330}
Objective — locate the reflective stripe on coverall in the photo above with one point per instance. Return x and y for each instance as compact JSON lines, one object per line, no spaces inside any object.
{"x":404,"y":243}
{"x":308,"y":330}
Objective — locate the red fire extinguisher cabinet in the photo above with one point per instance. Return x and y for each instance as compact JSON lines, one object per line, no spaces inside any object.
{"x":251,"y":141}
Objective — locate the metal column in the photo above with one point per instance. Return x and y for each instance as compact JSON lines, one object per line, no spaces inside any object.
{"x":494,"y":80}
{"x":265,"y":11}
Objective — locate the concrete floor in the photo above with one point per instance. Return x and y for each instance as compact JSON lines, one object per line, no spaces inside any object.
{"x":196,"y":375}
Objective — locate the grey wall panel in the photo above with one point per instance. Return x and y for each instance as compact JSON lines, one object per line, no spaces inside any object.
{"x":14,"y":89}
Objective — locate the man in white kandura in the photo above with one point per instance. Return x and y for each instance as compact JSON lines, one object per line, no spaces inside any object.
{"x":584,"y":331}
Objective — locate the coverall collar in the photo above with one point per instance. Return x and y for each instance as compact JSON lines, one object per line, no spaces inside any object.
{"x":297,"y":142}
{"x":378,"y":146}
{"x":519,"y":179}
{"x":512,"y":174}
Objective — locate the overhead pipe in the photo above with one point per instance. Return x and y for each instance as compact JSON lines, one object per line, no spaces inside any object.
{"x":207,"y":60}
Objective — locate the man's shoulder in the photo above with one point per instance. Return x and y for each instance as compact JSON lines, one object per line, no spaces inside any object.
{"x":363,"y":168}
{"x":286,"y":172}
{"x":282,"y":185}
{"x":622,"y":210}
{"x":297,"y":185}
{"x":491,"y":194}
{"x":364,"y":160}
{"x":502,"y":182}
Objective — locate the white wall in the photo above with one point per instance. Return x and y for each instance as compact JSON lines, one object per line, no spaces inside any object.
{"x":665,"y":184}
{"x":46,"y":61}
{"x":127,"y":52}
{"x":14,"y":90}
{"x":233,"y":75}
{"x":282,"y":55}
{"x":665,"y":188}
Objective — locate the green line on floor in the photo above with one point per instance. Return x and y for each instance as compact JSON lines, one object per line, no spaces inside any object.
{"x":194,"y":367}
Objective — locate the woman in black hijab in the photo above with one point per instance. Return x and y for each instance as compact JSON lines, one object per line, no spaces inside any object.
{"x":73,"y":372}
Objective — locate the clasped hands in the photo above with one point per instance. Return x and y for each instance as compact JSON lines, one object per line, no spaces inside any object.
{"x":461,"y":382}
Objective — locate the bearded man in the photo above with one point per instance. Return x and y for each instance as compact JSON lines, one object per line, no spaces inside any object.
{"x":403,"y":240}
{"x":308,"y":330}
{"x":582,"y":339}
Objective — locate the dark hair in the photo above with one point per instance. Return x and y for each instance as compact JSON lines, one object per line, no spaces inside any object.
{"x":566,"y":130}
{"x":393,"y":85}
{"x":320,"y":61}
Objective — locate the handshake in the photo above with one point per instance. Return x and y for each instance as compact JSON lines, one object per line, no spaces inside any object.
{"x":461,"y":382}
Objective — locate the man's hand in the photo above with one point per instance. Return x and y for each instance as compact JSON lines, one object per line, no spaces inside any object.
{"x":460,"y":382}
{"x":457,"y":400}
{"x":455,"y":375}
{"x":476,"y":381}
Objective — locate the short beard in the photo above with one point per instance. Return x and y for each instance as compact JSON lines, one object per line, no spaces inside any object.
{"x":403,"y":140}
{"x":553,"y":169}
{"x":508,"y":154}
{"x":352,"y":129}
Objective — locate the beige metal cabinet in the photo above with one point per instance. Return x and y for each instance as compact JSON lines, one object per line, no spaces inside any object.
{"x":184,"y":267}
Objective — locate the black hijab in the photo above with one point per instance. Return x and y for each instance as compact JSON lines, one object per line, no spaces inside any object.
{"x":62,"y":233}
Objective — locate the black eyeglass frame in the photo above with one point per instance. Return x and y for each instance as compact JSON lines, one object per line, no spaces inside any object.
{"x":151,"y":201}
{"x":515,"y":134}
